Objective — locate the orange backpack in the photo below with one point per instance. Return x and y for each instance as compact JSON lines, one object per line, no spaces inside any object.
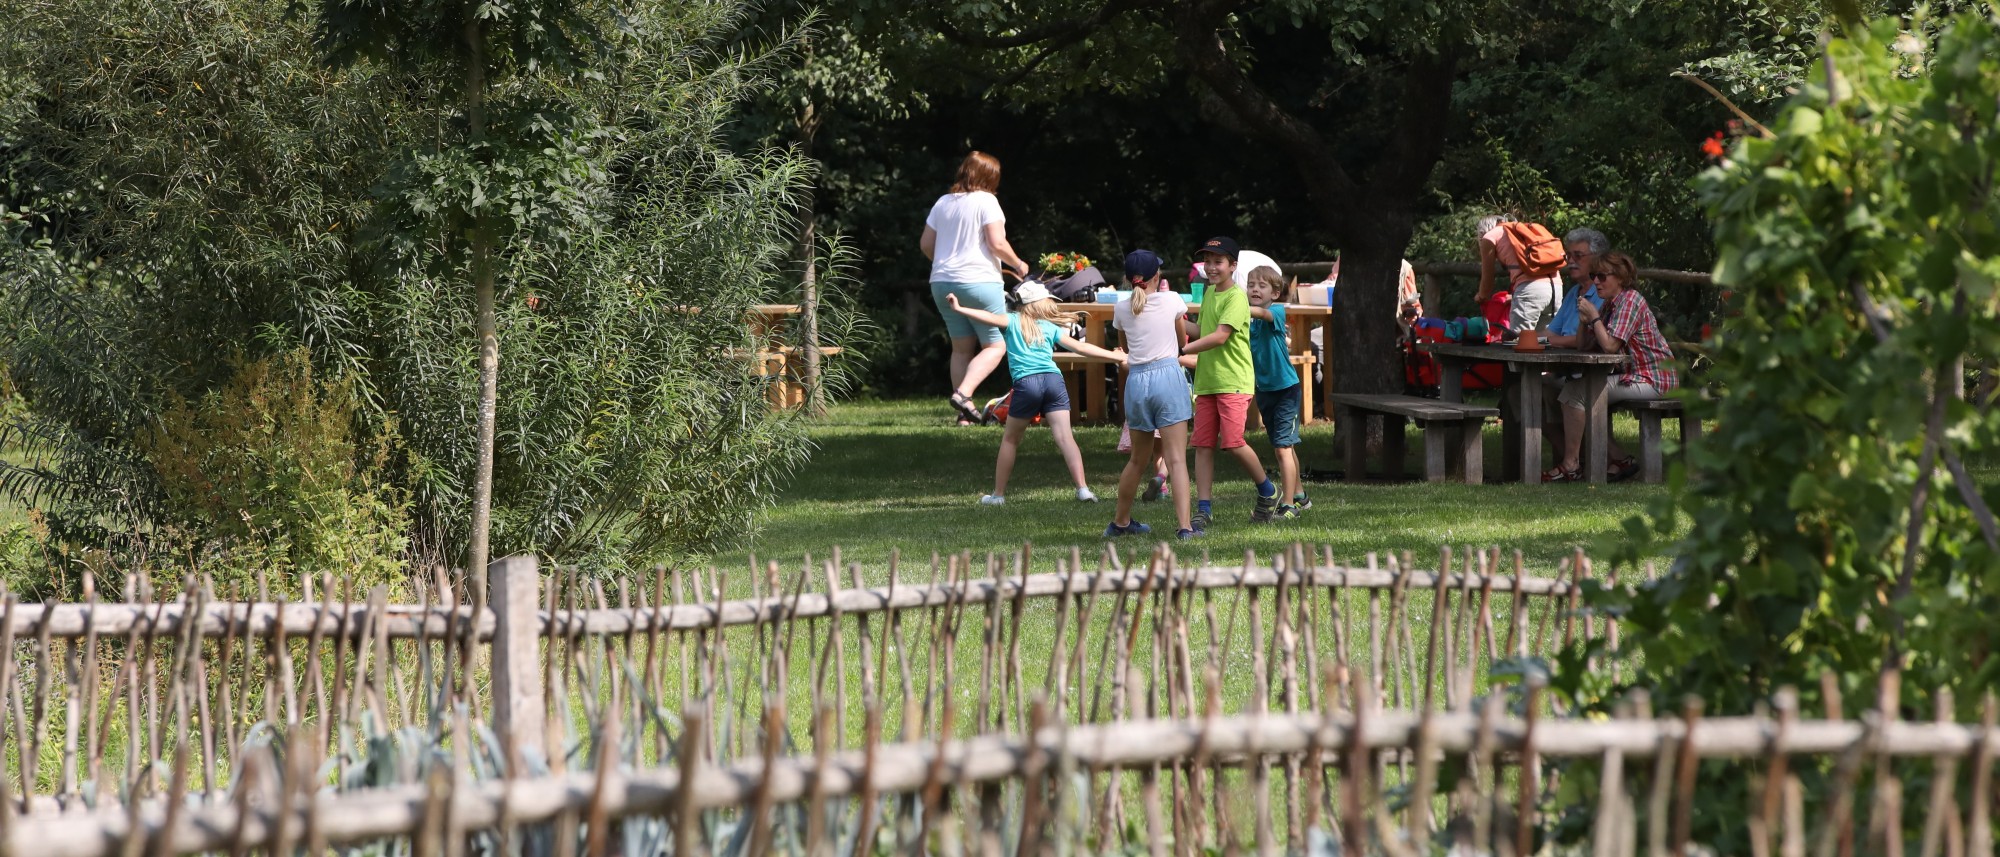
{"x":1541,"y":254}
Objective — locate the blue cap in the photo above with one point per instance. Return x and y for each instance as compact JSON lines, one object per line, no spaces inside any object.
{"x":1141,"y":265}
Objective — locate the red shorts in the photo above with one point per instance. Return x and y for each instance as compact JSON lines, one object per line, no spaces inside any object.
{"x":1218,"y":420}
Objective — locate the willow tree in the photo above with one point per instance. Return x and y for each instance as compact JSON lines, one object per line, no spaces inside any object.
{"x":258,"y":200}
{"x":477,"y":44}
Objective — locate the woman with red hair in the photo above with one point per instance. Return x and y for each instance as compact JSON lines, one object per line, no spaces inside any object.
{"x":965,"y":237}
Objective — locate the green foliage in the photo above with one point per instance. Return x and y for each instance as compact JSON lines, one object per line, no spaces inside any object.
{"x":1833,"y":525}
{"x":254,"y":201}
{"x":275,"y":461}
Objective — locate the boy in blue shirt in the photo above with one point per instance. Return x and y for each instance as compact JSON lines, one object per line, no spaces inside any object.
{"x":1278,"y":385}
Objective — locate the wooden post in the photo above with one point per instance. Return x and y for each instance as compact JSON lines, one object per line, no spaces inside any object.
{"x":518,"y":716}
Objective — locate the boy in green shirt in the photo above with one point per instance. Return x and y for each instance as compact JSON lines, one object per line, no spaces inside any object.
{"x":1224,"y":380}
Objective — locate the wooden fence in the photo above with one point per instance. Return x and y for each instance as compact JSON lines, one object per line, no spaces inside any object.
{"x":101,"y":697}
{"x":1309,"y":782}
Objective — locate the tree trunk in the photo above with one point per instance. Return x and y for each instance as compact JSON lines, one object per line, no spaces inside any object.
{"x":808,"y":128}
{"x":1367,"y":359}
{"x":809,"y":315}
{"x":489,"y":338}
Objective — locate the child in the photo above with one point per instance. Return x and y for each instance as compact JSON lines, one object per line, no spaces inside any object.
{"x":1156,"y":391}
{"x":1278,"y":392}
{"x":1224,"y":378}
{"x":1031,"y":336}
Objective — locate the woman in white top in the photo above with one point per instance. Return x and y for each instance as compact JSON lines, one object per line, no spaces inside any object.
{"x":965,"y":238}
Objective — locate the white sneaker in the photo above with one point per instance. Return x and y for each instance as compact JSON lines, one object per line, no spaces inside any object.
{"x":992,"y":500}
{"x":1084,"y":495}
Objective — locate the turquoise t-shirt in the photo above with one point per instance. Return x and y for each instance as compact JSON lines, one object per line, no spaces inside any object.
{"x":1225,"y":368}
{"x":1271,"y":350}
{"x":1024,"y":359}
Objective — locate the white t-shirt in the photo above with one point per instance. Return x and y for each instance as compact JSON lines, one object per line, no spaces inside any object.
{"x":962,"y":255}
{"x":1153,"y":334}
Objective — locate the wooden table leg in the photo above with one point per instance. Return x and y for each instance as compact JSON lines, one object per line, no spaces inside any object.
{"x":1093,"y":374}
{"x":1451,"y":379}
{"x":1326,"y":363}
{"x":1596,"y":423}
{"x":1510,"y":428}
{"x":1528,"y":412}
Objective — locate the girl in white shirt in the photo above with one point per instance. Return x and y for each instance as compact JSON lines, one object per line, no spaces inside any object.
{"x":1157,"y":397}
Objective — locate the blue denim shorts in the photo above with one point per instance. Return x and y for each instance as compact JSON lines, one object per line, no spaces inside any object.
{"x":991,"y":297}
{"x":1280,"y":410}
{"x":1038,"y":394}
{"x":1157,"y":396}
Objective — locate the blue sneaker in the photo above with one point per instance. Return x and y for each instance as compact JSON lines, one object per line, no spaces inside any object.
{"x":1135,"y":528}
{"x":1184,"y":535}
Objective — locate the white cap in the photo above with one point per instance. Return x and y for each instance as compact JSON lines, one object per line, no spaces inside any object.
{"x":1031,"y":291}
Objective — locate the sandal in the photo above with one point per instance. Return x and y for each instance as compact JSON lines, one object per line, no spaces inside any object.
{"x":966,"y":410}
{"x":1623,"y":469}
{"x":1558,"y":474}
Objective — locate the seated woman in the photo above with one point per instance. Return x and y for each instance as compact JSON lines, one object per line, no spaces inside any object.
{"x":1624,"y":326}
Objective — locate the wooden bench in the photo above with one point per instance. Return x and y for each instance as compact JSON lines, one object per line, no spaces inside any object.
{"x":1651,"y":412}
{"x":1447,"y":426}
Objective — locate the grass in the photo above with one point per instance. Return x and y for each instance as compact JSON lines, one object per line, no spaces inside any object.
{"x":897,"y":475}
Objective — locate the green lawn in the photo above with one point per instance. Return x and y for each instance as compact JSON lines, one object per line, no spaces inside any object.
{"x":892,"y":475}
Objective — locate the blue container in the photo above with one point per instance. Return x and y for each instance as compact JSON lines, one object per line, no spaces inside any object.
{"x":1107,"y":296}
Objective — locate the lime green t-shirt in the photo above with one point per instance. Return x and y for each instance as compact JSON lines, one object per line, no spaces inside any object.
{"x":1226,"y":368}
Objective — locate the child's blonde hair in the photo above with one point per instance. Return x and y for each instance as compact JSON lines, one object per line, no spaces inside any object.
{"x":1269,"y":276}
{"x":1042,"y":310}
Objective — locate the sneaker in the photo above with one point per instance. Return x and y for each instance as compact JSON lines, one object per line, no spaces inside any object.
{"x":1135,"y":528}
{"x":1083,"y":495}
{"x":1184,"y":535}
{"x":1286,"y":512}
{"x":1156,"y":488}
{"x":1200,"y":522}
{"x":1301,"y":502}
{"x":1266,"y":507}
{"x":992,"y":500}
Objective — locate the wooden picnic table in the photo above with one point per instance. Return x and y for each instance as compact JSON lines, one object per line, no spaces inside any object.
{"x":1097,"y":331}
{"x":776,"y":361}
{"x":1522,"y":389}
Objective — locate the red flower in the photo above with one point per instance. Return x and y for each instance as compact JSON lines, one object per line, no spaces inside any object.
{"x":534,"y":302}
{"x":1712,"y":147}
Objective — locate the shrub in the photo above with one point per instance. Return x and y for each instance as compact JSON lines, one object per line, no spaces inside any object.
{"x":279,"y":468}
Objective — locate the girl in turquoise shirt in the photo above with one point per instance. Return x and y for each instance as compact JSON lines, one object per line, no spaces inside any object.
{"x":1032,"y":335}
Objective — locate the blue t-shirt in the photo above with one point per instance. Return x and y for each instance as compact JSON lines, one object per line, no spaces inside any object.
{"x":1271,"y":351}
{"x":1564,"y":323}
{"x":1024,"y":359}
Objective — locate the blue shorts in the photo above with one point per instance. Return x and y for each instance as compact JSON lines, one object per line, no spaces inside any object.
{"x":991,"y":297}
{"x":1156,"y":396}
{"x":1038,"y":394}
{"x":1280,"y":410}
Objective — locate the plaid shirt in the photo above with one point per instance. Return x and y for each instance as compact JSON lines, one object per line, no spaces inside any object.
{"x":1648,"y":359}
